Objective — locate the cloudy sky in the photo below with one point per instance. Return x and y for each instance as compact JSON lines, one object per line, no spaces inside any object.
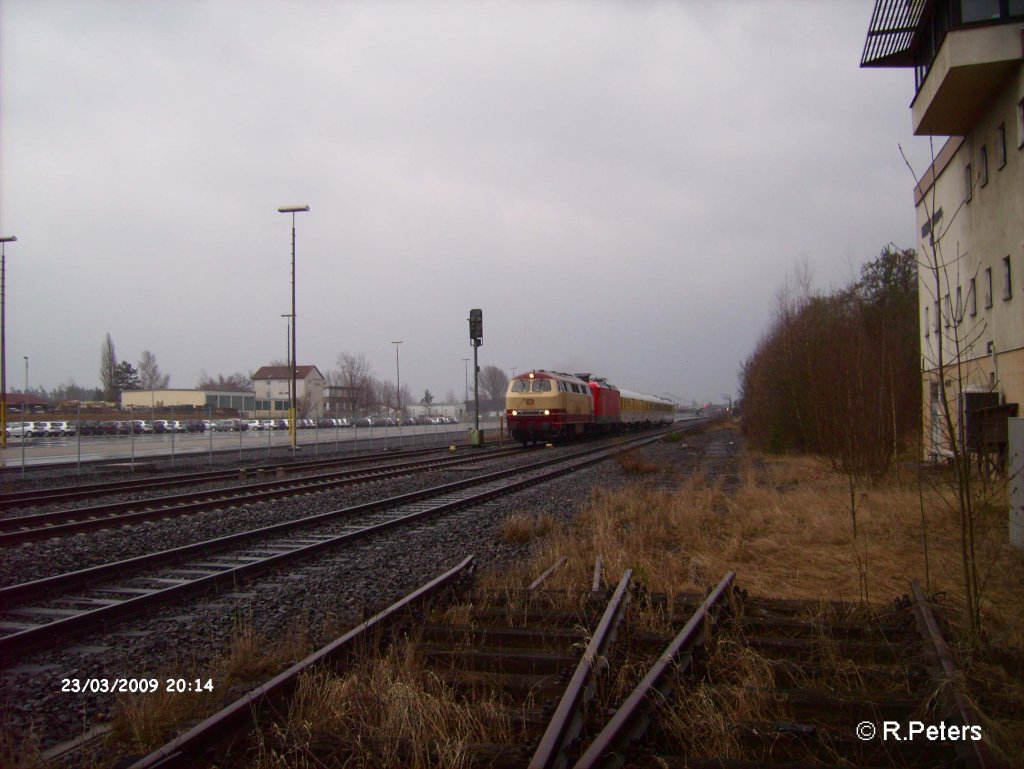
{"x":622,"y":187}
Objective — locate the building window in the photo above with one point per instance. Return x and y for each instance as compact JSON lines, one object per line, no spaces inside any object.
{"x":927,"y":325}
{"x":936,"y":319}
{"x":1007,"y":281}
{"x":1020,"y":124}
{"x":978,"y":10}
{"x":949,"y":312}
{"x":1001,"y":145}
{"x":988,"y":287}
{"x":972,"y":298}
{"x":958,"y":317}
{"x":983,"y":166}
{"x":969,"y":182}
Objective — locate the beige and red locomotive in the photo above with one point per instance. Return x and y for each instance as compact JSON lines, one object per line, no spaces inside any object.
{"x":548,"y":405}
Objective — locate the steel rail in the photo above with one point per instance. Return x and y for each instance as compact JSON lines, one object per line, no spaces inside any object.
{"x":111,"y":515}
{"x":567,"y":722}
{"x":495,"y":485}
{"x":185,"y":749}
{"x":104,"y":488}
{"x":974,"y":753}
{"x":632,"y":717}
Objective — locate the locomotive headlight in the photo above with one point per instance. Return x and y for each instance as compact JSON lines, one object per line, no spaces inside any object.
{"x":547,"y":412}
{"x":515,"y":413}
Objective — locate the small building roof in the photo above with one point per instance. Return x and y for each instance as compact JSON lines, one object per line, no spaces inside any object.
{"x":285,"y":372}
{"x":20,"y":399}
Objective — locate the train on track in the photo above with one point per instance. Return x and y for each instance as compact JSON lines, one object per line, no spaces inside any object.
{"x":550,"y":406}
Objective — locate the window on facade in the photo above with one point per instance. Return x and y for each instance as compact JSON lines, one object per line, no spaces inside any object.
{"x":949,"y":312}
{"x":968,"y":182}
{"x":1007,"y":281}
{"x":988,"y":287}
{"x":978,"y":10}
{"x":959,"y":307}
{"x":1001,"y":145}
{"x":927,"y":326}
{"x":972,"y":299}
{"x":936,"y":319}
{"x":1020,"y":124}
{"x":983,"y":166}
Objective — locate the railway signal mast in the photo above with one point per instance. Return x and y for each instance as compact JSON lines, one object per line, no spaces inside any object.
{"x":476,"y":338}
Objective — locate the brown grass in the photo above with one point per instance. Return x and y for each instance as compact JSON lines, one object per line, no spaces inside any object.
{"x":787,"y":532}
{"x":388,"y":711}
{"x":522,"y":528}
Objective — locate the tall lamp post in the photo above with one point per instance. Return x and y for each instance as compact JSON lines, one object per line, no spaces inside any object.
{"x":3,"y":339}
{"x":292,"y":395}
{"x":288,"y":359}
{"x":398,"y":391}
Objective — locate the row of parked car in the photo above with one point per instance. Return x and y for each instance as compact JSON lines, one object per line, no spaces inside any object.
{"x":40,"y":429}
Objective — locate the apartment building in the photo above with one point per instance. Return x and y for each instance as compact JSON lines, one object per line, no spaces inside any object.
{"x":968,"y":62}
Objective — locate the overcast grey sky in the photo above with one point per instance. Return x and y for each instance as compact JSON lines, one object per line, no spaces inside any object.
{"x":622,"y":187}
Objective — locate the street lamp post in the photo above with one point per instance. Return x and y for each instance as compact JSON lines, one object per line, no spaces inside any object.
{"x":3,"y":339}
{"x":398,"y":392}
{"x":289,"y":362}
{"x":24,"y":406}
{"x":293,"y":362}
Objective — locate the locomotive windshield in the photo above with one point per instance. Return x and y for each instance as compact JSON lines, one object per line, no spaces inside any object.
{"x":520,"y":386}
{"x":542,"y":385}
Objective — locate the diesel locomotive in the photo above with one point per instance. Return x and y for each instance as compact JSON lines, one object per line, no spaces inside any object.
{"x":551,"y":406}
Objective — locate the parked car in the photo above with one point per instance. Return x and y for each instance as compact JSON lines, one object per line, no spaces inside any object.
{"x":63,"y":428}
{"x":176,"y":425}
{"x":196,"y":426}
{"x":20,"y":429}
{"x":222,"y":425}
{"x":89,"y":427}
{"x":253,"y":424}
{"x":160,"y":426}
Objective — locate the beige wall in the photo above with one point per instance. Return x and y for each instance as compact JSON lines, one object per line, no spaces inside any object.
{"x":975,"y":236}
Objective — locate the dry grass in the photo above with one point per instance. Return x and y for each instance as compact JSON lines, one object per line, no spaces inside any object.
{"x":388,"y":711}
{"x":523,"y":528}
{"x":787,"y":531}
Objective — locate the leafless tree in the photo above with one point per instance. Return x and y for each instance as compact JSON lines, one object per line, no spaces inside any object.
{"x":149,"y":373}
{"x":355,"y":375}
{"x":108,"y":370}
{"x":493,"y":383}
{"x":237,"y":382}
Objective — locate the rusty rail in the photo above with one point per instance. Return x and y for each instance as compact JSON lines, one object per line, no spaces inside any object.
{"x":974,"y":753}
{"x":632,"y":718}
{"x":183,"y":750}
{"x":567,"y":721}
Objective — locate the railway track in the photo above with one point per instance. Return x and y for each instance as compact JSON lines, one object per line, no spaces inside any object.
{"x":54,"y":608}
{"x":558,"y":663}
{"x":47,"y":496}
{"x":36,"y":526}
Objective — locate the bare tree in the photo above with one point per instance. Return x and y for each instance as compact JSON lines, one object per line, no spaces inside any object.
{"x":108,"y":370}
{"x":355,"y":375}
{"x":149,"y":373}
{"x":237,"y":382}
{"x":493,"y":383}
